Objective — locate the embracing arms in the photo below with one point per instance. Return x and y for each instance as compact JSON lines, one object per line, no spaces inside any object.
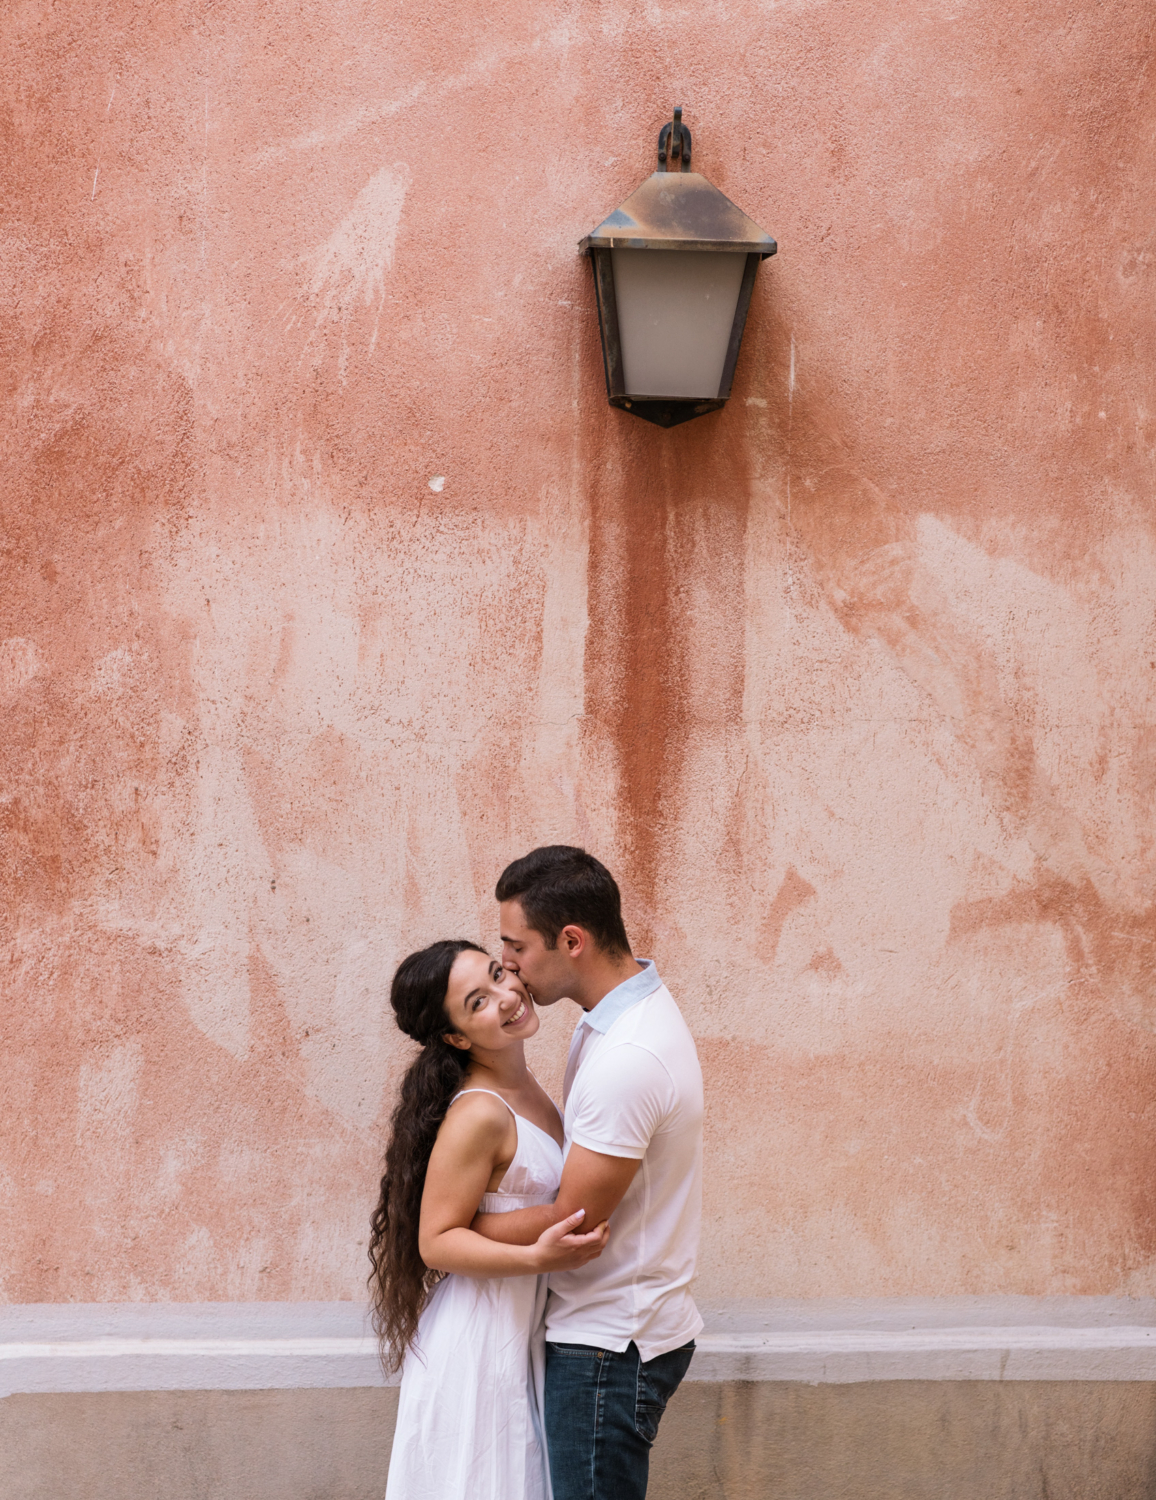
{"x":591,"y":1182}
{"x":474,"y":1141}
{"x":616,"y":1109}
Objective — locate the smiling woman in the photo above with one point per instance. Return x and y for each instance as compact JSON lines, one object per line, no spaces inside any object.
{"x":462,"y":1315}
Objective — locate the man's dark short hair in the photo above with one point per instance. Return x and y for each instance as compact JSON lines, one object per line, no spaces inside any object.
{"x":560,"y":886}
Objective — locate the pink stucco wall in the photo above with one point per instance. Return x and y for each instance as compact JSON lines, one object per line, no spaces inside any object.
{"x":853,"y":684}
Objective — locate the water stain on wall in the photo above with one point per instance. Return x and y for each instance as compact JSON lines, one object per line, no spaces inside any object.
{"x":664,"y":659}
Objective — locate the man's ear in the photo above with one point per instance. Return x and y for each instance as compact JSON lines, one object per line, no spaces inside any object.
{"x":456,"y":1039}
{"x":574,"y":940}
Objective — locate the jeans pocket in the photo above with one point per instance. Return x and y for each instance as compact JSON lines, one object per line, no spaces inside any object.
{"x":658,"y":1380}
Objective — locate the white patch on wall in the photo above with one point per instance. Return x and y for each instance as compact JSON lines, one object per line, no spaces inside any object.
{"x":113,"y":672}
{"x":106,"y":1100}
{"x":348,"y":1078}
{"x":180,"y":1156}
{"x":334,"y":977}
{"x":19,"y":664}
{"x":197,"y":1262}
{"x":349,"y":269}
{"x":215,"y":988}
{"x":1040,"y":639}
{"x":222,"y":858}
{"x":824,"y":709}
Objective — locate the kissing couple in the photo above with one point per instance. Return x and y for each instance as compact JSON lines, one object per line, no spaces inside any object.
{"x":531,"y":1268}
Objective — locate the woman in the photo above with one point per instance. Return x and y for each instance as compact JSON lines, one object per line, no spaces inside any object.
{"x":460,"y":1314}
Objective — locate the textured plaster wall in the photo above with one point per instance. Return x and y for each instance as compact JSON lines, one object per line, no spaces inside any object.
{"x":853,"y":684}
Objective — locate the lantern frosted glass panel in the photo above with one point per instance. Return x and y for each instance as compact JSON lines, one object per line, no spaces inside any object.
{"x":676,"y":309}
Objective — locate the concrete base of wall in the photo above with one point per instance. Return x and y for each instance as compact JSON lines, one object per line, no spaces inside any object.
{"x":909,"y":1440}
{"x":890,"y":1440}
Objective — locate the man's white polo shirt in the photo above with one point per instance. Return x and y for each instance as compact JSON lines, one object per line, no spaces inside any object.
{"x":634,"y":1089}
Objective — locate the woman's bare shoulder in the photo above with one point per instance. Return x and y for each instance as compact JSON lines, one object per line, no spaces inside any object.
{"x":477,"y":1117}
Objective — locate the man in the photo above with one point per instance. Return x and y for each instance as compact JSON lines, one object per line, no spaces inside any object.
{"x":619,"y":1331}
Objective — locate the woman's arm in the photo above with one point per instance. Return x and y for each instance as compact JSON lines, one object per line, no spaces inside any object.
{"x":472,"y":1143}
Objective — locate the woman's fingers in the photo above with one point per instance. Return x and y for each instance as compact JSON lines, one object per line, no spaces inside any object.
{"x":595,"y":1237}
{"x":562,"y":1248}
{"x":587,"y":1245}
{"x":567,"y":1248}
{"x":558,"y":1231}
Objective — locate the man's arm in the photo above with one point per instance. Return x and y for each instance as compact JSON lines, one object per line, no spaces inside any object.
{"x":590,"y":1181}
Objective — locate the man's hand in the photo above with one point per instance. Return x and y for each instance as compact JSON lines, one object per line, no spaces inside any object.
{"x":561,"y":1248}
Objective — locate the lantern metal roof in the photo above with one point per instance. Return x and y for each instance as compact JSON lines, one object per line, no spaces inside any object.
{"x":679,"y":211}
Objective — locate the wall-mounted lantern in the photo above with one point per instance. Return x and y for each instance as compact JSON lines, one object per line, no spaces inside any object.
{"x":674,"y":267}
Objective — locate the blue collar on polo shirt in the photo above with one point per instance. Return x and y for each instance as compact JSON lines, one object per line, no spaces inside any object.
{"x":619,"y":1000}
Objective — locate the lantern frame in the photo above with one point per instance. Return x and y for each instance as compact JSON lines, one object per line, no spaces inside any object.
{"x":673,"y":209}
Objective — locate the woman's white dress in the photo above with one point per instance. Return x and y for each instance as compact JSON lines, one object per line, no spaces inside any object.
{"x":469,"y":1422}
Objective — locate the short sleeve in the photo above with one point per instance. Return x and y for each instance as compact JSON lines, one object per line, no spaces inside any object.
{"x":625,"y":1097}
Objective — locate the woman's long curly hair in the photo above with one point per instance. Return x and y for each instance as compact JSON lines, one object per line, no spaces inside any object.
{"x":400,"y":1281}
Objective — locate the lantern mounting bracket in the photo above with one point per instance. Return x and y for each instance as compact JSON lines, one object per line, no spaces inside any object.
{"x":674,"y":145}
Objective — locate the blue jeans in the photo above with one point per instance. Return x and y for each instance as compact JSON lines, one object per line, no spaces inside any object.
{"x":602,"y":1414}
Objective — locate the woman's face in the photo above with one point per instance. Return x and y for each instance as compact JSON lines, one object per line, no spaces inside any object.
{"x":487,"y":1005}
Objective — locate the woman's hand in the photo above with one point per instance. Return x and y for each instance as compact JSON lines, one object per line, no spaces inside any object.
{"x":560,"y":1249}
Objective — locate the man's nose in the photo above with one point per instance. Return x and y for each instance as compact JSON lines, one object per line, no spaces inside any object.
{"x":509,"y":961}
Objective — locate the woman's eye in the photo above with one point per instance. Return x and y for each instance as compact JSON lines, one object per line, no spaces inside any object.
{"x":499,"y":972}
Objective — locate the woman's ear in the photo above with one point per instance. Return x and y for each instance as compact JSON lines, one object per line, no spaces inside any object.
{"x":455,"y":1039}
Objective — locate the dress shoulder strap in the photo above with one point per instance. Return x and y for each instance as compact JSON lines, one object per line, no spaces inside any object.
{"x":463,"y":1092}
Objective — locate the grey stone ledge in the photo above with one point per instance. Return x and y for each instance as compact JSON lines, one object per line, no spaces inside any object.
{"x":59,"y":1347}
